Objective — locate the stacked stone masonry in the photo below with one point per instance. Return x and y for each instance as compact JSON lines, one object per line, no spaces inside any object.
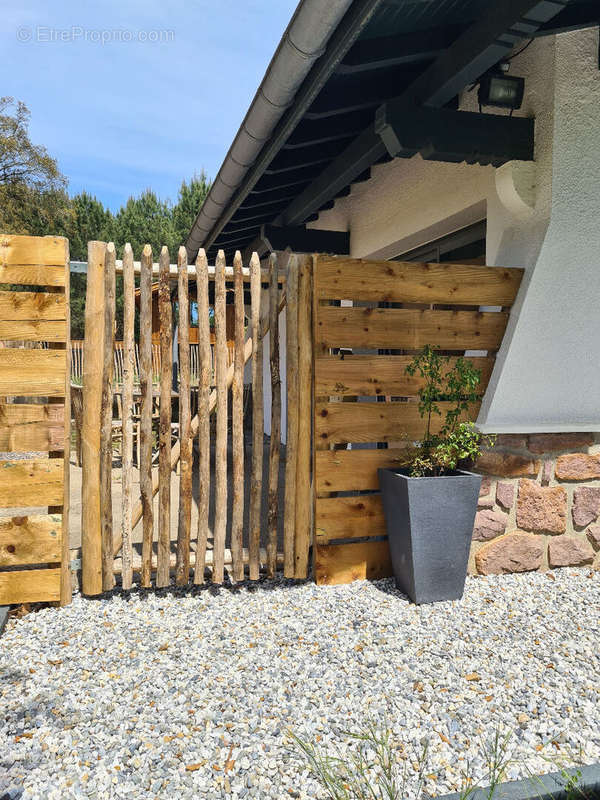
{"x":539,"y":505}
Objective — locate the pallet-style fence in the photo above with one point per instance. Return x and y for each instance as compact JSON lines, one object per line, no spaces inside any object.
{"x":241,"y":545}
{"x":365,"y":405}
{"x":34,"y":307}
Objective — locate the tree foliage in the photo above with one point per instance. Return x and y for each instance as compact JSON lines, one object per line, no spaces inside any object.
{"x":34,"y":200}
{"x":456,"y":384}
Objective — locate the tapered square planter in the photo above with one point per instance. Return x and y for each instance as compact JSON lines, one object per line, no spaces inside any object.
{"x":430,"y":525}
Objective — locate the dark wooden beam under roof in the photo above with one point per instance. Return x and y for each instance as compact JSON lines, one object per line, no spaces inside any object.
{"x":346,"y":93}
{"x":574,"y":17}
{"x":305,"y":240}
{"x":403,"y":48}
{"x":473,"y":53}
{"x":266,"y":198}
{"x":316,"y":131}
{"x":290,"y":178}
{"x":304,"y":157}
{"x":455,"y":136}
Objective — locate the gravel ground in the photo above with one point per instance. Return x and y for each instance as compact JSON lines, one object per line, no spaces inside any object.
{"x":191,"y":695}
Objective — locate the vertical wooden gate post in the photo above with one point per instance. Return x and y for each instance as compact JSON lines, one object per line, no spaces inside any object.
{"x":221,"y":443}
{"x":237,"y":414}
{"x":108,"y":580}
{"x":91,"y":530}
{"x":305,"y":355}
{"x":257,"y":422}
{"x":127,"y":406}
{"x":204,"y":381}
{"x":145,"y":445}
{"x":291,"y":458}
{"x":275,"y":444}
{"x":164,"y":442}
{"x":185,"y":419}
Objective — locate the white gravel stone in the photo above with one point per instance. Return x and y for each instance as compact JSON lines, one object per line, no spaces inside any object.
{"x":191,"y":695}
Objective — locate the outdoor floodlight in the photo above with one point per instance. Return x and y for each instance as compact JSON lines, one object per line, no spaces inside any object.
{"x":503,"y":91}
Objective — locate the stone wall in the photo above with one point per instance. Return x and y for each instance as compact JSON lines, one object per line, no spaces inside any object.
{"x":539,"y":505}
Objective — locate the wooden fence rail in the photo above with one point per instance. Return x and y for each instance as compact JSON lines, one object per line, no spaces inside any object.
{"x":237,"y":518}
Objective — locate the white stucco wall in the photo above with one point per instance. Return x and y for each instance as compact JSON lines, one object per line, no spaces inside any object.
{"x":547,"y":374}
{"x":550,"y":370}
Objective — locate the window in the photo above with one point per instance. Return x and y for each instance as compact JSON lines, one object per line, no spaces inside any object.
{"x":466,"y":246}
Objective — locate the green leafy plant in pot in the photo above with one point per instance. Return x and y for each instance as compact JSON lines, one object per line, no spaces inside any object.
{"x":430,"y":501}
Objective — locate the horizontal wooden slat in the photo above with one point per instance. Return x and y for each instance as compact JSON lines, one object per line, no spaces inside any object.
{"x":25,"y":428}
{"x":32,"y":250}
{"x":31,"y":483}
{"x":32,"y":274}
{"x":30,"y":306}
{"x":30,"y":540}
{"x":349,"y":470}
{"x":344,"y":563}
{"x":410,"y":329}
{"x":411,"y":282}
{"x":377,"y":375}
{"x":32,"y":373}
{"x":375,"y":422}
{"x":33,"y":331}
{"x":29,"y":586}
{"x":348,"y":517}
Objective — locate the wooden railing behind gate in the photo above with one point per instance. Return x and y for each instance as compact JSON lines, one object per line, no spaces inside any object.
{"x":34,"y":307}
{"x":168,"y":431}
{"x":365,"y":405}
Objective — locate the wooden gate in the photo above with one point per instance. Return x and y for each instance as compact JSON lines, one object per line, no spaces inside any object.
{"x":364,"y":402}
{"x":34,"y":423}
{"x":238,"y":520}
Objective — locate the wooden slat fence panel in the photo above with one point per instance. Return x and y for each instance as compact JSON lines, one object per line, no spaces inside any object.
{"x":40,"y":540}
{"x":377,"y":376}
{"x":366,"y":399}
{"x":30,"y":586}
{"x":410,"y":329}
{"x":35,"y":539}
{"x":409,"y":282}
{"x":337,"y":423}
{"x":348,"y":518}
{"x":31,"y":428}
{"x":32,"y":373}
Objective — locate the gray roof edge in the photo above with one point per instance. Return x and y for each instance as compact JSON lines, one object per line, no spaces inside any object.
{"x":302,"y":43}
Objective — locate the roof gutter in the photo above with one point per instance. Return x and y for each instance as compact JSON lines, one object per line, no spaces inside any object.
{"x":276,"y":108}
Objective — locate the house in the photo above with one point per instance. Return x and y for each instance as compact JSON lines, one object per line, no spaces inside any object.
{"x":467,"y":132}
{"x":193,"y":315}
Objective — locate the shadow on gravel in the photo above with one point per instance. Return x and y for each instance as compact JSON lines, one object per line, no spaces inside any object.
{"x":192,"y":590}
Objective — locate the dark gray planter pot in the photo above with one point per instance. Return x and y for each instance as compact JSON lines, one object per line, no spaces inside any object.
{"x":430,"y":524}
{"x":574,"y":783}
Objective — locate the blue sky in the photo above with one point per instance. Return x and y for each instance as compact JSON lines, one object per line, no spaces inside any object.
{"x":126,"y":115}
